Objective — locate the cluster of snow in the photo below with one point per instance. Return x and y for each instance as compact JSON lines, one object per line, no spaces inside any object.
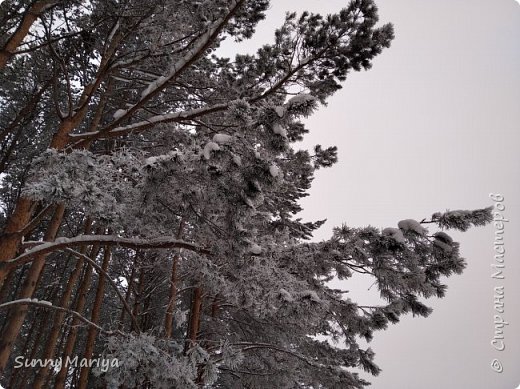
{"x":274,"y":170}
{"x":280,"y":111}
{"x":443,"y":236}
{"x":160,"y":158}
{"x":301,"y":99}
{"x":153,"y":86}
{"x":443,"y":240}
{"x":394,"y":233}
{"x":210,"y":146}
{"x":255,"y":249}
{"x":81,"y":179}
{"x":278,"y":129}
{"x":222,"y":138}
{"x":237,"y":160}
{"x":32,"y":300}
{"x":412,"y":225}
{"x":119,"y":113}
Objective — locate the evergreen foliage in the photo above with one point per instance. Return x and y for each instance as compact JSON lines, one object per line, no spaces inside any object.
{"x":152,"y":187}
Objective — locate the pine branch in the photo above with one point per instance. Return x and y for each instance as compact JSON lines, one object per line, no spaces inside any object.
{"x":107,"y":240}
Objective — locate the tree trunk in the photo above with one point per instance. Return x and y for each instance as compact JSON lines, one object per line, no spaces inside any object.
{"x":195,"y":311}
{"x":128,"y":294}
{"x":59,"y":317}
{"x":172,"y":298}
{"x":19,"y":312}
{"x":137,"y":298}
{"x":80,"y":305}
{"x":172,"y":301}
{"x":96,"y":310}
{"x":215,"y":306}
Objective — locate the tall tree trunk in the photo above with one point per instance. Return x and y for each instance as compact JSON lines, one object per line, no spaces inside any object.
{"x":59,"y":317}
{"x":128,"y":294}
{"x":19,"y":311}
{"x":172,"y":298}
{"x":137,"y":298}
{"x":215,"y":306}
{"x":195,"y":311}
{"x":73,"y":333}
{"x":96,"y":310}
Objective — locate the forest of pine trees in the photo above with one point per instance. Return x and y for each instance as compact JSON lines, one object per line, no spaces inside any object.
{"x":149,"y":196}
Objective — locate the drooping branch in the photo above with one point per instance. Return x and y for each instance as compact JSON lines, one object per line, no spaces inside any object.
{"x":107,"y":240}
{"x":145,"y":124}
{"x":47,"y":304}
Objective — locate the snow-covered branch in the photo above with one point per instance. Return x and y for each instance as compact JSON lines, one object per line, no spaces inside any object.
{"x":107,"y":240}
{"x":150,"y":122}
{"x":47,"y":304}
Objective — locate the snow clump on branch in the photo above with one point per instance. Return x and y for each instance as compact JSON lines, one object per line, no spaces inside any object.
{"x":210,"y":146}
{"x":394,"y":233}
{"x":412,"y":225}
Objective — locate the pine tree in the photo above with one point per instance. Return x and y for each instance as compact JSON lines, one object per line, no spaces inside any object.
{"x":162,"y":182}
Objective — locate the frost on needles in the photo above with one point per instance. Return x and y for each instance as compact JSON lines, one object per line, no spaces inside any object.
{"x":150,"y":191}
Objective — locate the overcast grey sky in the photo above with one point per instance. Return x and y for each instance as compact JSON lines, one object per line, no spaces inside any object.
{"x":433,"y":126}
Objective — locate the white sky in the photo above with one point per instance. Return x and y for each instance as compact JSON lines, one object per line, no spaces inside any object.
{"x":433,"y":126}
